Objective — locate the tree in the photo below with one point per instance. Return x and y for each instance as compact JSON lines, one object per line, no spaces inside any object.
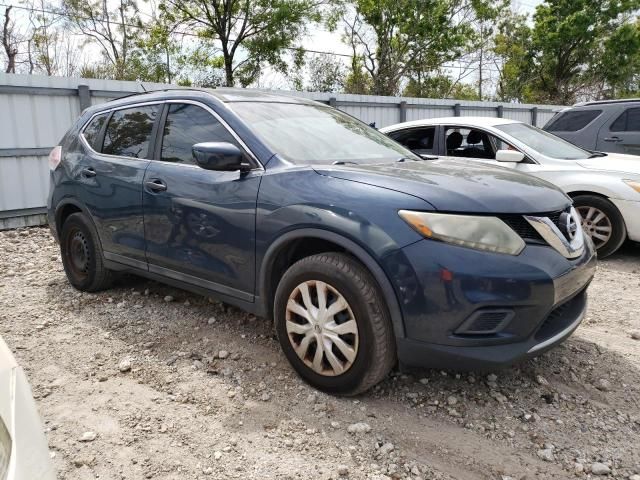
{"x":569,"y":39}
{"x":114,"y":30}
{"x":409,"y":38}
{"x":514,"y":58}
{"x":326,"y":74}
{"x":10,"y":40}
{"x":261,"y":29}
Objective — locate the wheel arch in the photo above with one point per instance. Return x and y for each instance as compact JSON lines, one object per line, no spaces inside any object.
{"x":282,"y":253}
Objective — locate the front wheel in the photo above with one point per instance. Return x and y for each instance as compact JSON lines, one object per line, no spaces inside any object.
{"x":332,"y":324}
{"x":602,"y":221}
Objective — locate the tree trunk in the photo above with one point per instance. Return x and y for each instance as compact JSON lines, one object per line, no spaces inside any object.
{"x":11,"y":52}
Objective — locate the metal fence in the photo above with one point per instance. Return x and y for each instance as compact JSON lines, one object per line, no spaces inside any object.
{"x":36,"y":111}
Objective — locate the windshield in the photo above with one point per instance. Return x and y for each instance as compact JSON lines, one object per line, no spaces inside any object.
{"x":310,"y":134}
{"x":543,"y":142}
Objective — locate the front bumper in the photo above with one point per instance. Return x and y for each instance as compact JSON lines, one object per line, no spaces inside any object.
{"x":443,"y":288}
{"x":630,"y":211}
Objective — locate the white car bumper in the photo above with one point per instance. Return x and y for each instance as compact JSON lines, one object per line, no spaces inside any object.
{"x":23,"y":447}
{"x":630,"y":210}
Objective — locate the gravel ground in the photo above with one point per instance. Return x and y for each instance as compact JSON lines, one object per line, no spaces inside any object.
{"x":147,"y":381}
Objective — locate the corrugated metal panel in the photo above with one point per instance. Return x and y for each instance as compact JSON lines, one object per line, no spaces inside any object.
{"x":37,"y":111}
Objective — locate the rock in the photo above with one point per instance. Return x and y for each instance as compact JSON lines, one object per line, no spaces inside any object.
{"x":265,"y":397}
{"x":498,"y":396}
{"x":343,"y":470}
{"x":492,"y":377}
{"x":598,"y":468}
{"x":211,"y":321}
{"x":634,"y":477}
{"x":124,"y":365}
{"x":217,"y":455}
{"x":168,"y":298}
{"x":81,"y":460}
{"x":386,"y":449}
{"x":603,"y":385}
{"x":541,"y":380}
{"x":360,"y":427}
{"x":222,"y":354}
{"x":578,"y":467}
{"x":545,"y":454}
{"x":452,"y":400}
{"x":335,"y":424}
{"x":88,"y":437}
{"x":636,"y":336}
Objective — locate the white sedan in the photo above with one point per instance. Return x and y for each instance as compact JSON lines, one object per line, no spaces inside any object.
{"x":605,"y":187}
{"x":23,"y":446}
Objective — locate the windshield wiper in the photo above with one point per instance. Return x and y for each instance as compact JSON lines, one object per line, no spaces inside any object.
{"x":419,"y":159}
{"x":597,"y":154}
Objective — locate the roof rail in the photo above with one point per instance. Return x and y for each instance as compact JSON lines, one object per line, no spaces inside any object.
{"x":170,"y":89}
{"x":604,"y":102}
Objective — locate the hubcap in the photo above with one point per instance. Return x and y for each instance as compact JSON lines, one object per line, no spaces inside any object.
{"x":78,"y":253}
{"x":596,"y":224}
{"x":321,"y":328}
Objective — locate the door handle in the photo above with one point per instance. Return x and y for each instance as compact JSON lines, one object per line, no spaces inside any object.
{"x":156,"y":185}
{"x":88,"y":172}
{"x":612,"y":139}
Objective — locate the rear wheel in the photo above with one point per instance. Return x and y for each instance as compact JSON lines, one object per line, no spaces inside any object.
{"x":82,"y":255}
{"x":333,"y":325}
{"x":602,"y":221}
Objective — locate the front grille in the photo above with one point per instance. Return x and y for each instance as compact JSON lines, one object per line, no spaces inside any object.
{"x":523,"y":228}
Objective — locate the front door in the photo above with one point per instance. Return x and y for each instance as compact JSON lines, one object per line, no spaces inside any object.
{"x":199,"y":224}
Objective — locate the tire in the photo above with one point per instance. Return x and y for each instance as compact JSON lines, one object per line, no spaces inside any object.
{"x":373,"y":341}
{"x":590,"y":207}
{"x":82,"y":255}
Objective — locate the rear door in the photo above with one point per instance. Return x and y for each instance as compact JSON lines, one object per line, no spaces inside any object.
{"x":622,"y":133}
{"x":110,"y":173}
{"x":578,"y":126}
{"x":420,"y":140}
{"x":199,"y":224}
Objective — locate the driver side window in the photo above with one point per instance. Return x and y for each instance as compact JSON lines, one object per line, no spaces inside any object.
{"x":472,"y":143}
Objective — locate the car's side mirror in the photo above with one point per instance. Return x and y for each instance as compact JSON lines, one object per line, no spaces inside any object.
{"x":220,"y":156}
{"x":512,"y":156}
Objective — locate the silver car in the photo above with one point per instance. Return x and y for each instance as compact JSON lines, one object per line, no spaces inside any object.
{"x":605,"y":188}
{"x":607,"y":125}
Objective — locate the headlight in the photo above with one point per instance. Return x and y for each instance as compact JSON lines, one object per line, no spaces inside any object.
{"x":633,"y":184}
{"x":482,"y":233}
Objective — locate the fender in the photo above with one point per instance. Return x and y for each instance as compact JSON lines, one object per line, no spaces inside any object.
{"x":78,"y":204}
{"x":356,"y":250}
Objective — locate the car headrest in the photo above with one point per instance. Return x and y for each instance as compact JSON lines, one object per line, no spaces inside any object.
{"x":454,"y":140}
{"x":474,"y":137}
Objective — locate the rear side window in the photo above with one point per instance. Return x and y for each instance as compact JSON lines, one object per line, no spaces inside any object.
{"x":187,"y":125}
{"x":419,"y":140}
{"x":573,"y":120}
{"x":92,"y":131}
{"x":629,"y":121}
{"x":129,"y":131}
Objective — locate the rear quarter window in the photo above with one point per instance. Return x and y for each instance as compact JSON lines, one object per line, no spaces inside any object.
{"x":92,"y":130}
{"x":573,"y":120}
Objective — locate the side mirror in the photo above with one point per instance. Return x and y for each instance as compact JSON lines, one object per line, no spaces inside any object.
{"x":220,"y":156}
{"x":511,"y":156}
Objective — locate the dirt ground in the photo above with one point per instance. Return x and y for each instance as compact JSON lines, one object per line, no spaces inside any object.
{"x":147,"y":381}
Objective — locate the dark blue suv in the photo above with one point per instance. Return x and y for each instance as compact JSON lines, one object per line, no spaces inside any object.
{"x":363,"y":253}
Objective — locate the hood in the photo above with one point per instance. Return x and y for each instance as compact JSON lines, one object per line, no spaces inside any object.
{"x":456,"y":186}
{"x":613,"y":162}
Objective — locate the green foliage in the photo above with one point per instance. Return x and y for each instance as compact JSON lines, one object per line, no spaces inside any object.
{"x":569,"y":41}
{"x":264,"y":30}
{"x":440,"y":86}
{"x":326,"y":74}
{"x":512,"y":44}
{"x":411,"y":38}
